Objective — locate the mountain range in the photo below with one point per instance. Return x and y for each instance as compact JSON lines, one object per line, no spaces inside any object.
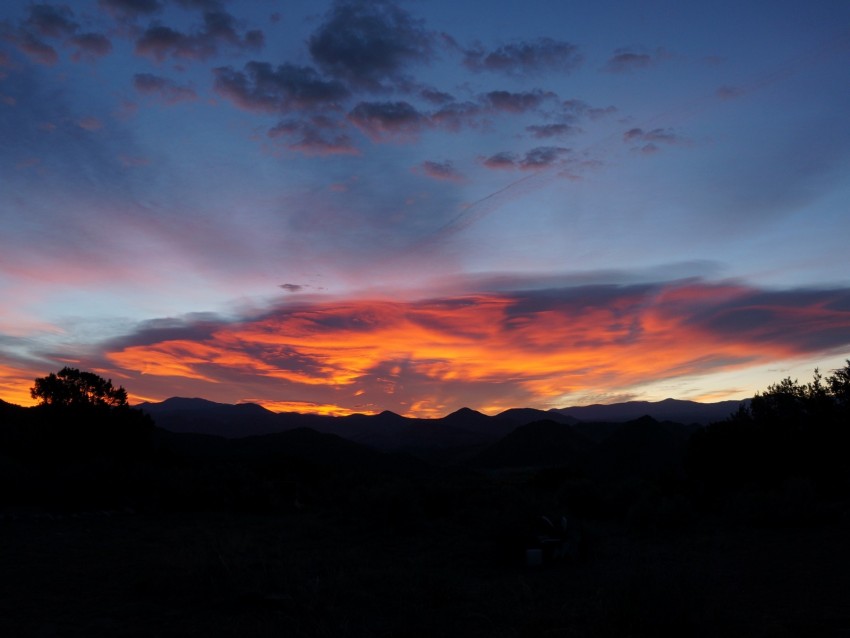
{"x":463,"y":429}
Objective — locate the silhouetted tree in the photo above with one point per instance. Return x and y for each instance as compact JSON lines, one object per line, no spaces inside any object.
{"x":71,"y":387}
{"x":789,"y":430}
{"x":83,"y":415}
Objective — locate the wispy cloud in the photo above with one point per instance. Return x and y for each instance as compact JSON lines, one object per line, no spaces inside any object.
{"x":524,"y":57}
{"x":629,"y":59}
{"x":444,"y":171}
{"x":648,"y":141}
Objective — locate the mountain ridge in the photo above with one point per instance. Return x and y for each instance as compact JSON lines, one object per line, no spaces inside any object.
{"x":463,"y":428}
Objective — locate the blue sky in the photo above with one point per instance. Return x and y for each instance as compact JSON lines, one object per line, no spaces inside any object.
{"x":356,"y":206}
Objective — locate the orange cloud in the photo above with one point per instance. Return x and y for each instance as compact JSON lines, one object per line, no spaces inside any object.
{"x":497,"y":350}
{"x":15,"y":384}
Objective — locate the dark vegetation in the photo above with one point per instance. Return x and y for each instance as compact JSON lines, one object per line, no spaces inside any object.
{"x":525,"y":524}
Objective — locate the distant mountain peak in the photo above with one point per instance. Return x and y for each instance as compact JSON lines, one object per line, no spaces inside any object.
{"x":465,"y":413}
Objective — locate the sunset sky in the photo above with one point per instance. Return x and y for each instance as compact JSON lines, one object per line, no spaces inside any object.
{"x":417,"y":206}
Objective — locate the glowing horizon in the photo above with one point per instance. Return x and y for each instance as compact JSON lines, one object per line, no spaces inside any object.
{"x":357,"y":206}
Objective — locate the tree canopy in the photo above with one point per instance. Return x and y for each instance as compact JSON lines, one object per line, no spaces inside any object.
{"x":790,"y":430}
{"x":71,"y":387}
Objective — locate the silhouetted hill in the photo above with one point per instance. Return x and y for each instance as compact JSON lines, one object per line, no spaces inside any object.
{"x":642,"y":448}
{"x":384,"y":431}
{"x":524,"y":416}
{"x":179,"y":414}
{"x":464,"y":429}
{"x":667,"y":410}
{"x":303,"y":444}
{"x":474,"y":421}
{"x":538,"y":444}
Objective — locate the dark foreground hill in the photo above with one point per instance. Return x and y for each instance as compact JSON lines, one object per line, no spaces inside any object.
{"x":667,"y":410}
{"x":538,"y":444}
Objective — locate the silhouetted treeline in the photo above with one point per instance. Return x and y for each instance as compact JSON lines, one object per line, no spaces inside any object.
{"x":791,"y":431}
{"x":792,"y":439}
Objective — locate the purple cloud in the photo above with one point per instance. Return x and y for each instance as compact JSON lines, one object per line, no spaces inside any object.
{"x":647,"y":142}
{"x":547,"y":131}
{"x":387,"y":119}
{"x":36,"y":49}
{"x":368,"y":43}
{"x":630,"y":59}
{"x":260,"y":87}
{"x":573,"y":109}
{"x":501,"y":160}
{"x":516,"y":102}
{"x":535,"y":159}
{"x":90,"y":46}
{"x":160,"y":41}
{"x":524,"y":58}
{"x":291,"y":287}
{"x":131,"y":8}
{"x":456,"y":115}
{"x":542,"y":157}
{"x":443,"y":171}
{"x":163,"y":88}
{"x":435,"y":97}
{"x":319,"y":135}
{"x":51,"y":22}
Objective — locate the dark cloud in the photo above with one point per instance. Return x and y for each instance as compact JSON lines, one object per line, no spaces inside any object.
{"x":90,"y":46}
{"x":632,"y":59}
{"x":369,"y":43}
{"x":444,"y":171}
{"x":542,"y":157}
{"x":318,"y":135}
{"x":50,"y":21}
{"x":291,"y":287}
{"x":387,"y":119}
{"x":805,"y":320}
{"x":648,"y":149}
{"x":163,"y":88}
{"x":456,"y":115}
{"x":535,"y":159}
{"x":131,"y":8}
{"x":160,"y":41}
{"x":260,"y":87}
{"x":547,"y":131}
{"x":523,"y":58}
{"x":501,"y":160}
{"x":516,"y":102}
{"x":435,"y":97}
{"x":35,"y":48}
{"x":573,"y":109}
{"x":655,"y":135}
{"x":203,"y":5}
{"x":43,"y":21}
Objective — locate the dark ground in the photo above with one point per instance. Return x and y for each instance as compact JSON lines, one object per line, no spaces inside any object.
{"x":321,"y":573}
